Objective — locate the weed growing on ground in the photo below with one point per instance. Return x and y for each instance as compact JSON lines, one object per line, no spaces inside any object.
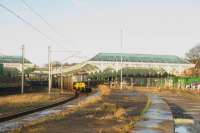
{"x":15,"y":103}
{"x":120,"y":113}
{"x":64,"y":114}
{"x":104,"y":90}
{"x":148,"y":105}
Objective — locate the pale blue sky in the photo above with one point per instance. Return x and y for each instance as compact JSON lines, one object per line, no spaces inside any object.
{"x":91,"y":26}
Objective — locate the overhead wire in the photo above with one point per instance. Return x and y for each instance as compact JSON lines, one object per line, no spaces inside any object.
{"x":40,"y":16}
{"x":51,"y":27}
{"x":29,"y":24}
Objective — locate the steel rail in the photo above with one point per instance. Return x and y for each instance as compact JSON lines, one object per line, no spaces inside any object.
{"x":12,"y":116}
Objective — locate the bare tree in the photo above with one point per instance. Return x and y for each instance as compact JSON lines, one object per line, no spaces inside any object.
{"x":69,"y":64}
{"x":56,"y":64}
{"x":193,"y":56}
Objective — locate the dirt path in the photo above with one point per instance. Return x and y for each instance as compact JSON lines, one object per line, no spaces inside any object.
{"x":116,"y":113}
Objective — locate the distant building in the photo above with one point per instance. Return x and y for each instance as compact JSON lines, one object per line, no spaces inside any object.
{"x":170,"y":63}
{"x":15,"y":62}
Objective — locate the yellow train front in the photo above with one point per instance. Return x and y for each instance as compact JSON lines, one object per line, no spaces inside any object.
{"x":81,"y":87}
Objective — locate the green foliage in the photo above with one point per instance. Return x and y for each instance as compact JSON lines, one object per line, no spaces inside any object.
{"x":29,"y":70}
{"x":10,"y":73}
{"x":143,"y":72}
{"x":186,"y":80}
{"x":1,"y":69}
{"x":129,"y":72}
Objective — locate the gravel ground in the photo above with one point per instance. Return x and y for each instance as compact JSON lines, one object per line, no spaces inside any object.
{"x":115,"y":113}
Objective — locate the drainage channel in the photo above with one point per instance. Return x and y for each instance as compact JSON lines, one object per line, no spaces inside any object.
{"x":184,"y":122}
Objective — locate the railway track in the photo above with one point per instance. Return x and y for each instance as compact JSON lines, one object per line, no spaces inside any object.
{"x":12,"y":116}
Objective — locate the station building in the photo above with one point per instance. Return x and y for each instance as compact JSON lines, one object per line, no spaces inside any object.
{"x":170,"y":63}
{"x":15,"y":62}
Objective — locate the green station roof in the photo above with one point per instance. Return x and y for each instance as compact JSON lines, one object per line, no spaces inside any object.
{"x":12,"y":59}
{"x":147,"y":58}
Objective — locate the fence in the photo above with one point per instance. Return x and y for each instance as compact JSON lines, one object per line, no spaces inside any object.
{"x":165,"y":82}
{"x":162,"y":82}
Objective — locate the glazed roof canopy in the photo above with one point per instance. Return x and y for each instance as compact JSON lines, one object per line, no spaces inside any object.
{"x":12,"y":59}
{"x":146,"y":58}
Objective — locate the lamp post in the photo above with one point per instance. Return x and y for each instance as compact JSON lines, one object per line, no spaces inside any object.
{"x":116,"y":67}
{"x":49,"y":63}
{"x":121,"y":83}
{"x":148,"y":80}
{"x":22,"y":85}
{"x":61,"y":79}
{"x":159,"y":80}
{"x":112,"y":77}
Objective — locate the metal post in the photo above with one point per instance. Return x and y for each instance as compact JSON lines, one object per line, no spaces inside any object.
{"x":22,"y":85}
{"x":40,"y":78}
{"x":158,"y":80}
{"x":49,"y":63}
{"x":81,"y":78}
{"x":102,"y":65}
{"x":71,"y":85}
{"x":131,"y":81}
{"x":61,"y":79}
{"x":121,"y":83}
{"x":116,"y":70}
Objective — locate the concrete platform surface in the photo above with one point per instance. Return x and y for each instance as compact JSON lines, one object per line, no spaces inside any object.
{"x":158,"y":119}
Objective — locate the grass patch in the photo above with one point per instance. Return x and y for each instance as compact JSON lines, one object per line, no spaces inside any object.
{"x":16,"y":103}
{"x":146,"y":108}
{"x":116,"y":111}
{"x":135,"y":119}
{"x":120,"y":113}
{"x":109,"y":107}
